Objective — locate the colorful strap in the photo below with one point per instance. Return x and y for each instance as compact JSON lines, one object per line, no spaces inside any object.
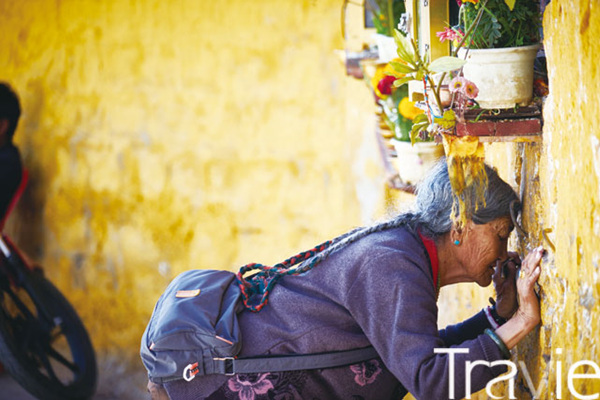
{"x":265,"y":277}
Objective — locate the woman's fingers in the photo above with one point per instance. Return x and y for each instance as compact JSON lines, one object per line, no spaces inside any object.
{"x":531,"y":263}
{"x":529,"y":306}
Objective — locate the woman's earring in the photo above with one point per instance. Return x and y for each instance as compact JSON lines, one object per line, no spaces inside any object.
{"x":456,"y":242}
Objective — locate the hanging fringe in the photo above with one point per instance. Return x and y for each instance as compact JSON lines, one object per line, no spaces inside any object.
{"x":465,"y":158}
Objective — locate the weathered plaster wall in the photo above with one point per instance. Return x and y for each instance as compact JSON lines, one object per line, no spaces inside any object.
{"x":162,"y":136}
{"x":569,"y":173}
{"x":560,"y":180}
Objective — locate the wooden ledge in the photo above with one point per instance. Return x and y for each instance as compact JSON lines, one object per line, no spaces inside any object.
{"x":523,"y":124}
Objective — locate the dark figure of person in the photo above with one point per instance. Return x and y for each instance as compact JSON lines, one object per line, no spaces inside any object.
{"x":379,"y":286}
{"x":10,"y":159}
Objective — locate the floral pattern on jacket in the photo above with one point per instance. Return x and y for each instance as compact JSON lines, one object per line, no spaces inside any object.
{"x":289,"y":385}
{"x":365,"y":373}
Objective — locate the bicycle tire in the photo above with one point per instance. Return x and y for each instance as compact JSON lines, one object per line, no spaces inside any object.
{"x":32,"y":353}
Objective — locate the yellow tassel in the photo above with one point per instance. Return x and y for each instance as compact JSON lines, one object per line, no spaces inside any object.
{"x":465,"y":158}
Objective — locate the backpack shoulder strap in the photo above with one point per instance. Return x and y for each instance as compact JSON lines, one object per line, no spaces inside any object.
{"x":232,"y":366}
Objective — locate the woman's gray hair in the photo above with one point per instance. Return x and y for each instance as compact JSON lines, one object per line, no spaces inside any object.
{"x":435,"y":199}
{"x":432,"y":215}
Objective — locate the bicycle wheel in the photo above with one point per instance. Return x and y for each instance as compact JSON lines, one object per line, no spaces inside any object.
{"x":43,"y":343}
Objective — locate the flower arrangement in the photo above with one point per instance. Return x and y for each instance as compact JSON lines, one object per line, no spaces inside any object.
{"x":397,"y":111}
{"x":464,"y":155}
{"x":439,"y":117}
{"x":483,"y":23}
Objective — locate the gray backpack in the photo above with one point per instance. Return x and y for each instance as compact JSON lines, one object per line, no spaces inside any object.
{"x":194,"y":328}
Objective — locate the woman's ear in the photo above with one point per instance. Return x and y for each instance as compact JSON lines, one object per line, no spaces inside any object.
{"x":456,"y":235}
{"x":460,"y":232}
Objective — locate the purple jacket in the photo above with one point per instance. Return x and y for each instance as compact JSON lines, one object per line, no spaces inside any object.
{"x":378,"y":290}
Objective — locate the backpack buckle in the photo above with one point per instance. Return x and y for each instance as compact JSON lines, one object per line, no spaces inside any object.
{"x":227,"y":365}
{"x":190,"y":371}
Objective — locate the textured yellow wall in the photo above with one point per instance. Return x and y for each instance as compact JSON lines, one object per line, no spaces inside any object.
{"x":168,"y":135}
{"x":570,"y":190}
{"x":163,"y":136}
{"x":560,"y":180}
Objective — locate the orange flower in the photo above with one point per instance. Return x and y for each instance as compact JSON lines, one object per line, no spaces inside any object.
{"x":408,"y":110}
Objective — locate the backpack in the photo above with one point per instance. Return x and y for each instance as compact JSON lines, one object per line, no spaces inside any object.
{"x":194,"y":328}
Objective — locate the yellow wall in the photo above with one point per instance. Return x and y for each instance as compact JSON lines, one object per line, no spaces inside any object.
{"x":168,"y":135}
{"x":163,"y":136}
{"x":561,"y":193}
{"x":570,"y":189}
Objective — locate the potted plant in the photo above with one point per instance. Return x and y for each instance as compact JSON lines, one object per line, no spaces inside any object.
{"x":385,"y":15}
{"x":464,"y":155}
{"x":414,"y":154}
{"x":501,"y":49}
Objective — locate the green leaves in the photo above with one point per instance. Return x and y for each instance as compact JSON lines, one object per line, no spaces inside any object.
{"x":504,"y":23}
{"x":446,"y":64}
{"x":415,"y":67}
{"x":420,"y":123}
{"x":406,"y":51}
{"x":448,"y":120}
{"x":402,"y":68}
{"x":402,"y":81}
{"x":385,"y":14}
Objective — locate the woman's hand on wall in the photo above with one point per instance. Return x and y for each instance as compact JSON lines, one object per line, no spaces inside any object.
{"x":529,"y":303}
{"x":527,"y":316}
{"x":505,"y":284}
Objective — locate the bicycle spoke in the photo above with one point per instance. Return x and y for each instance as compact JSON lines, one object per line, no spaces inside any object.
{"x":61,"y":359}
{"x":20,"y":305}
{"x":46,"y":345}
{"x":47,"y":366}
{"x":56,"y":333}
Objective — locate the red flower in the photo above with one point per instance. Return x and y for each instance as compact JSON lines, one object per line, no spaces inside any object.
{"x":385,"y":85}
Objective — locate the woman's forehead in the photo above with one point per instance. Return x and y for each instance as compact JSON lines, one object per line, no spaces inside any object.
{"x":502,"y":224}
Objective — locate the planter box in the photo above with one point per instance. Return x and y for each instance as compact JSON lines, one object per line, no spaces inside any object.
{"x":522,"y":124}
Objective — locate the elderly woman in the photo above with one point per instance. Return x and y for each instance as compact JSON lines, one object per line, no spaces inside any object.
{"x":379,"y":286}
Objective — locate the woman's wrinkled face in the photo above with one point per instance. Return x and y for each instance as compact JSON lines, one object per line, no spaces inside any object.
{"x":484,"y":245}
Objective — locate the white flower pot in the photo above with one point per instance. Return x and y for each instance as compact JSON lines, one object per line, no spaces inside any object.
{"x":386,"y":48}
{"x":414,"y":161}
{"x":504,"y":76}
